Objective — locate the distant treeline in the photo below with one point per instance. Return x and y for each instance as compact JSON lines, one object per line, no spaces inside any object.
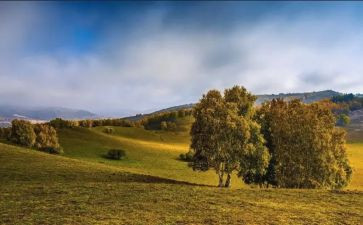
{"x":348,"y":102}
{"x":59,"y":123}
{"x":159,"y":121}
{"x":40,"y":136}
{"x":165,"y":120}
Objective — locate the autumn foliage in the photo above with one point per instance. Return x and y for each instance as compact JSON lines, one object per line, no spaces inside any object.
{"x":286,"y":144}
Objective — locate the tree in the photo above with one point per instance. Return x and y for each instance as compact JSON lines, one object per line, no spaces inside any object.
{"x":171,"y":126}
{"x":164,"y":125}
{"x":307,"y":150}
{"x":224,"y":135}
{"x":343,"y":119}
{"x":46,"y":136}
{"x":22,"y":133}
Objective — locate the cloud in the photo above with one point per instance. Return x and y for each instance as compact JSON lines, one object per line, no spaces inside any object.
{"x":156,"y":64}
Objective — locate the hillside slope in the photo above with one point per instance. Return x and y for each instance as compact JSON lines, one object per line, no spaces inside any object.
{"x":38,"y":188}
{"x":147,"y":152}
{"x":306,"y":97}
{"x":156,"y":152}
{"x":43,"y":113}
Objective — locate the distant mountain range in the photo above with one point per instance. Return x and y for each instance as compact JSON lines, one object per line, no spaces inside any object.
{"x":43,"y":113}
{"x":306,"y":97}
{"x":8,"y":112}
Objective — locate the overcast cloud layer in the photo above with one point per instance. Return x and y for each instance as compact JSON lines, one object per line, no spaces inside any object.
{"x":118,"y":59}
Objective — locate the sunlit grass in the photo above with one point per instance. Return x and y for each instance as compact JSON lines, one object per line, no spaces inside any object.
{"x":144,"y":154}
{"x":39,"y":188}
{"x":355,"y":154}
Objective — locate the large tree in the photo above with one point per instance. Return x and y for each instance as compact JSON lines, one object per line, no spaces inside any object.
{"x":224,"y":136}
{"x":22,"y":133}
{"x":46,"y":136}
{"x":307,"y":150}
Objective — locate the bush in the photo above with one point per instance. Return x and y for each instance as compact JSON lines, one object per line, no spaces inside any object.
{"x":182,"y":156}
{"x":116,"y":154}
{"x":108,"y":130}
{"x":188,"y":157}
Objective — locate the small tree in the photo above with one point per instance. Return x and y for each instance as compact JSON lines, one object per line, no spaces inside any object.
{"x":163,"y":125}
{"x":22,"y":133}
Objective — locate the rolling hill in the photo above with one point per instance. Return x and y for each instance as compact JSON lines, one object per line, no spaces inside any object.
{"x":151,"y":185}
{"x":39,"y":188}
{"x":306,"y":97}
{"x":43,"y":113}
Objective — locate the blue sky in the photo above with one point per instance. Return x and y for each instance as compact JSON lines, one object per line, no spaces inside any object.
{"x":119,"y":58}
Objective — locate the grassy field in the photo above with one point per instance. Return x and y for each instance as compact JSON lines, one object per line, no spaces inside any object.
{"x":156,"y":153}
{"x":355,"y":153}
{"x":38,"y":188}
{"x":152,"y":186}
{"x":148,"y":152}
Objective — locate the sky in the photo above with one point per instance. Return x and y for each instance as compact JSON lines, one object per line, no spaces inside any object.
{"x":122,"y":58}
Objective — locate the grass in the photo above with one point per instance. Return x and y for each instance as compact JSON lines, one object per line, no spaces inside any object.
{"x":152,"y":186}
{"x":38,"y":188}
{"x":355,"y":154}
{"x":147,"y":152}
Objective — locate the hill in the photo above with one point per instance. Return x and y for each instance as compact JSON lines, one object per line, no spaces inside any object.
{"x":306,"y":97}
{"x":8,"y":112}
{"x":38,"y":188}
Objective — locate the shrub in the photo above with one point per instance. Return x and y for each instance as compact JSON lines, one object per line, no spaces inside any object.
{"x":182,"y":156}
{"x":116,"y":154}
{"x":188,"y":157}
{"x":108,"y":130}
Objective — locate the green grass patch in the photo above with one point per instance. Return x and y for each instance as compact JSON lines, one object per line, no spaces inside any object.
{"x":147,"y":152}
{"x":39,"y":188}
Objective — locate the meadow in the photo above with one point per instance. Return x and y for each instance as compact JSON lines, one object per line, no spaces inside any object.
{"x":152,"y":186}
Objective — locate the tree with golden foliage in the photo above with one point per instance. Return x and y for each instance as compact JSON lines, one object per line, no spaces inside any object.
{"x":307,"y":150}
{"x":224,"y":136}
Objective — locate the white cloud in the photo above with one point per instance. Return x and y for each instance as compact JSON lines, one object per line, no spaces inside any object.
{"x":162,"y":66}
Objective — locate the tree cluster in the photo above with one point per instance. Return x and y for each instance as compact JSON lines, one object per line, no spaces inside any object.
{"x":59,"y":123}
{"x":281,"y":144}
{"x":307,"y":150}
{"x":349,"y":102}
{"x":164,"y":120}
{"x":40,"y":136}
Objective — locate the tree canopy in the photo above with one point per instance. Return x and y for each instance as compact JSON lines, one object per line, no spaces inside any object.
{"x":224,"y":136}
{"x":307,"y":150}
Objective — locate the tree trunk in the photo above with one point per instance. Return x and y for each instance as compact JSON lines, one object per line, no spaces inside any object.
{"x":220,"y":174}
{"x":228,"y":181}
